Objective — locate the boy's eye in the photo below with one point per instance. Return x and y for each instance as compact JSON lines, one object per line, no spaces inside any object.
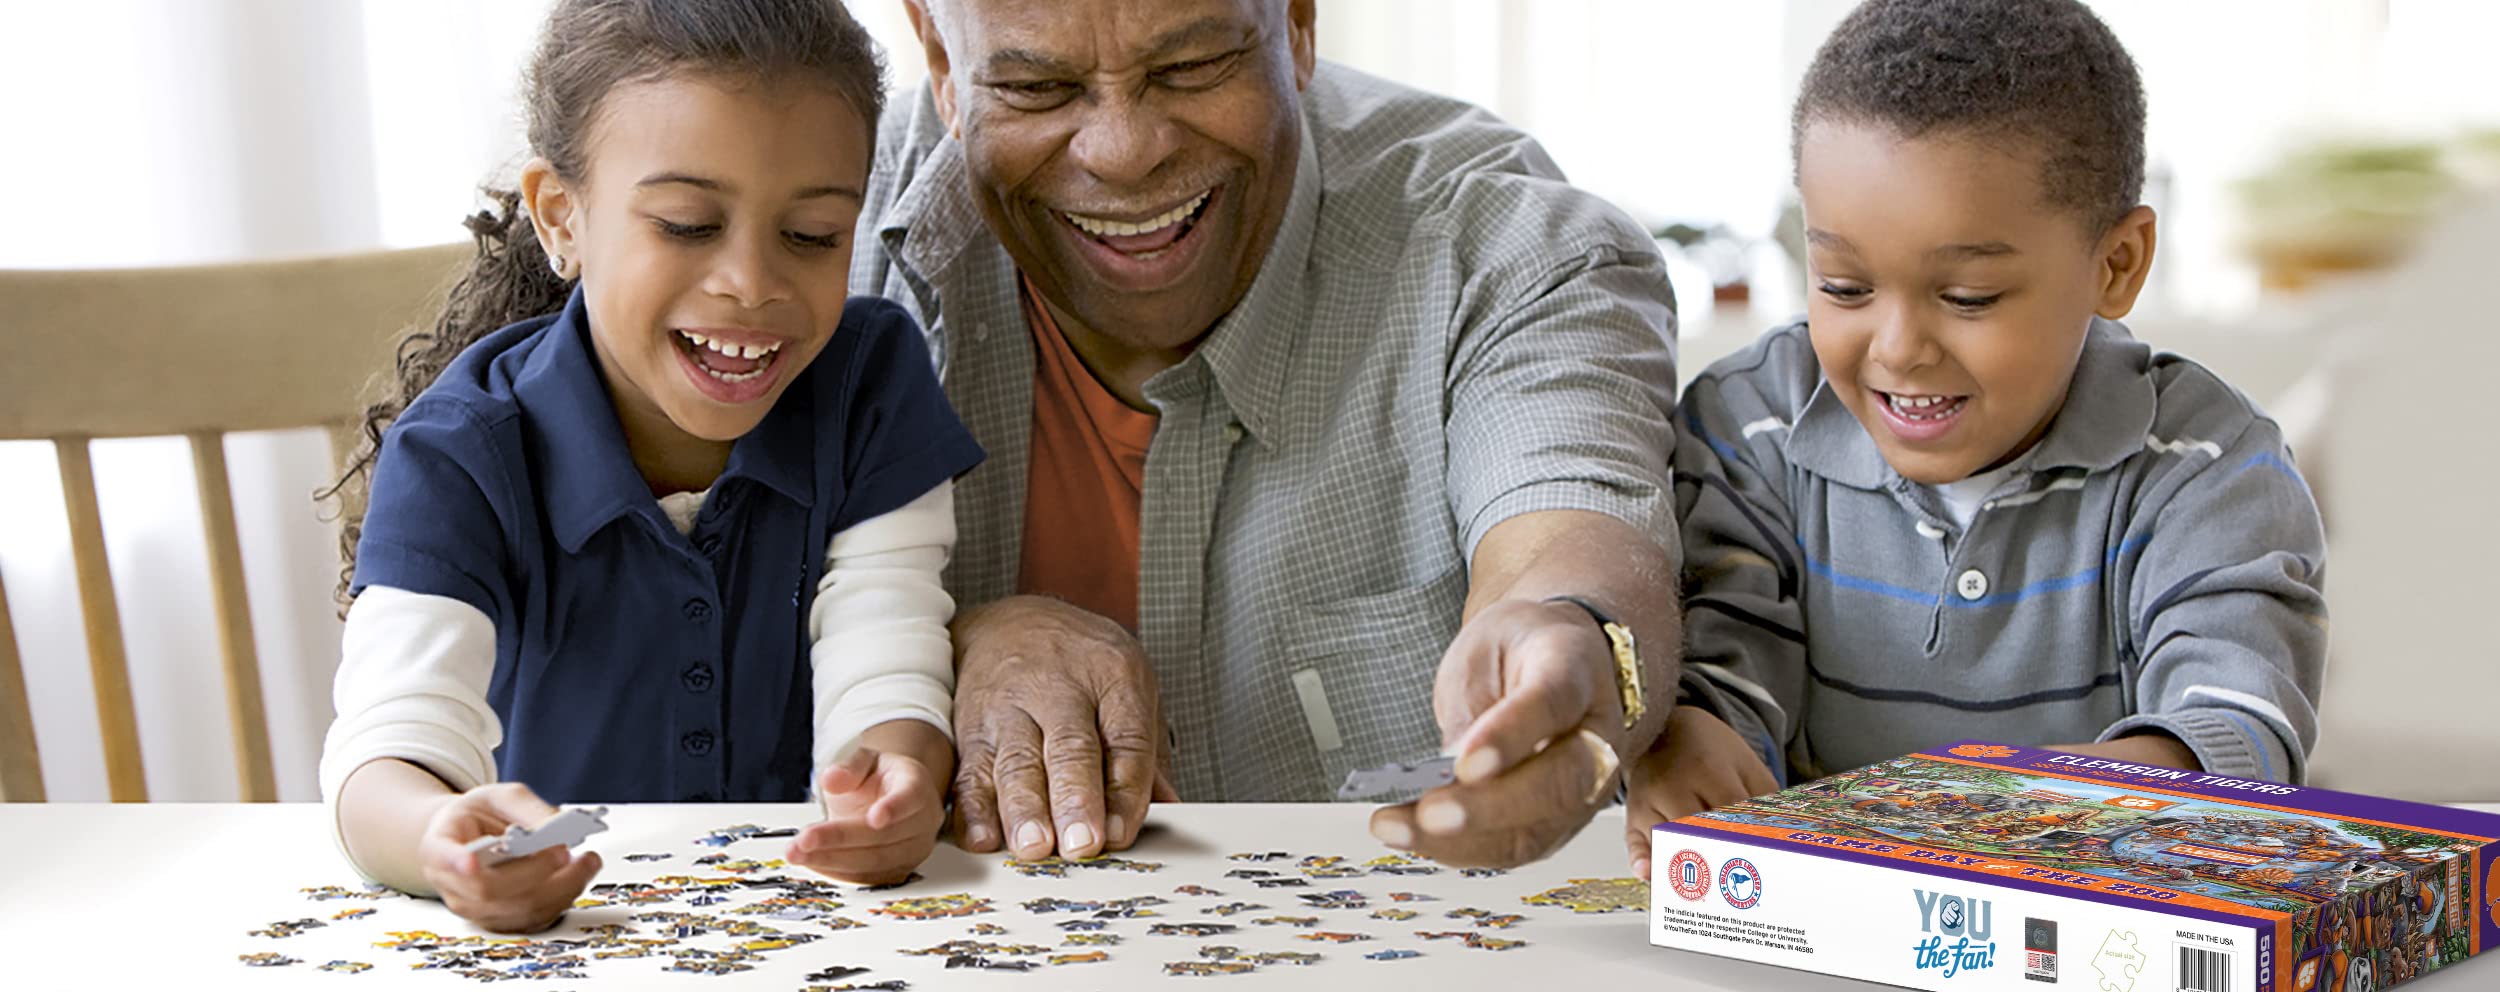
{"x":815,"y":241}
{"x":1960,"y":302}
{"x":685,"y":232}
{"x":1198,"y":74}
{"x":1039,"y":95}
{"x":1844,"y":294}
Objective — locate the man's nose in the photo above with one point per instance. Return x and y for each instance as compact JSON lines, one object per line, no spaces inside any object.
{"x":1124,"y":140}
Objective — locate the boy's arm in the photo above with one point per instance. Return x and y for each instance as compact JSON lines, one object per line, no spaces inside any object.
{"x":880,"y":649}
{"x":1744,"y":627}
{"x":2228,"y":610}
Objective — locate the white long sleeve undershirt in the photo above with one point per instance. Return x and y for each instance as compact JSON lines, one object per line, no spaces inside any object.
{"x":414,"y":668}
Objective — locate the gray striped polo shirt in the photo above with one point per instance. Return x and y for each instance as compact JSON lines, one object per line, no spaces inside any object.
{"x":2158,"y":562}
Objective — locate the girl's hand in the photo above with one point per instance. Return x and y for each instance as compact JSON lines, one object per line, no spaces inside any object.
{"x":882,"y":814}
{"x":1700,"y":763}
{"x":524,"y":895}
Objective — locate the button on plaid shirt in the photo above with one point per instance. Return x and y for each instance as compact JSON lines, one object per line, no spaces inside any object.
{"x":1443,"y":336}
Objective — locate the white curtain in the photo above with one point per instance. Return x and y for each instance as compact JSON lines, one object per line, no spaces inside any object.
{"x":150,"y":132}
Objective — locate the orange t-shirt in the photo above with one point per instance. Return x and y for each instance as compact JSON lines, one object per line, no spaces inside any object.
{"x":1085,"y":481}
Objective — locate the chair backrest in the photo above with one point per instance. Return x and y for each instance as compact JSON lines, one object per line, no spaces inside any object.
{"x":195,"y":351}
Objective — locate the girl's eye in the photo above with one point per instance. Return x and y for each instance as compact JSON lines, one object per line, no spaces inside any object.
{"x":685,"y":232}
{"x":815,"y":241}
{"x":1972,"y":302}
{"x":1844,"y":294}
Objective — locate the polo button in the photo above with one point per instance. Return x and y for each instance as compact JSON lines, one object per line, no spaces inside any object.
{"x":709,"y":545}
{"x":698,"y":610}
{"x":1971,"y":585}
{"x":698,"y":743}
{"x":698,"y":677}
{"x":1232,"y":433}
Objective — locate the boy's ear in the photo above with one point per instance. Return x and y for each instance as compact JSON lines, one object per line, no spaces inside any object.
{"x":2123,"y":260}
{"x":924,"y":24}
{"x":555,"y":211}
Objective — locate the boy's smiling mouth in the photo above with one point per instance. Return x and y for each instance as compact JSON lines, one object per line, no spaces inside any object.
{"x":1920,"y":417}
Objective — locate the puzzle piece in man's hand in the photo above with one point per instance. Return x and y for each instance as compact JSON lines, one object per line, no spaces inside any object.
{"x":568,"y":827}
{"x":1399,"y":776}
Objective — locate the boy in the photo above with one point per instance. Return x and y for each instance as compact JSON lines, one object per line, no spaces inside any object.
{"x":1960,"y":500}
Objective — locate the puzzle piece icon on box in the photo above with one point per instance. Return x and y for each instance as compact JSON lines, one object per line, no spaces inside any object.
{"x":1399,"y":776}
{"x":568,"y":827}
{"x":2120,"y":962}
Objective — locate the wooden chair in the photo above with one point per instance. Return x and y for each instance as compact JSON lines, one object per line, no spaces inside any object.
{"x":198,"y":352}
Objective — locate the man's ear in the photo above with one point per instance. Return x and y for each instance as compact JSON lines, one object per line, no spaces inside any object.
{"x":1301,"y":27}
{"x":924,"y":23}
{"x":2122,"y":261}
{"x":555,"y":213}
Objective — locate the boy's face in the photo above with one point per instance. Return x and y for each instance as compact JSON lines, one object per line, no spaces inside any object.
{"x":1946,"y":298}
{"x":712,"y":235}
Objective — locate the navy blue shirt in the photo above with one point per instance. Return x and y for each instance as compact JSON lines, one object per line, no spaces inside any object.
{"x":634,"y":663}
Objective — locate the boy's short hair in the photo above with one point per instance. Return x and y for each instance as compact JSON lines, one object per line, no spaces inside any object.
{"x":2046,"y":71}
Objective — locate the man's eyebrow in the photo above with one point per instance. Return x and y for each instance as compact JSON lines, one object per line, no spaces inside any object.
{"x":1011,"y":59}
{"x":1205,"y":30}
{"x":1974,"y":250}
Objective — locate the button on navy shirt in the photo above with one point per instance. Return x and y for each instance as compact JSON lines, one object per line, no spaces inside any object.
{"x":634,"y":663}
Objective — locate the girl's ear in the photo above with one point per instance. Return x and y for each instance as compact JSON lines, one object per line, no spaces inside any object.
{"x":2125,"y":259}
{"x":555,"y":213}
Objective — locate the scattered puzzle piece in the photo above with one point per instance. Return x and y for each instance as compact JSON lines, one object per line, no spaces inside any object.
{"x":935,"y":907}
{"x":267,"y":959}
{"x":347,"y":967}
{"x":1596,"y":895}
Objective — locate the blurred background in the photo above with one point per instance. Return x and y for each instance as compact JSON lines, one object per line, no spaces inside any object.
{"x":2326,"y":172}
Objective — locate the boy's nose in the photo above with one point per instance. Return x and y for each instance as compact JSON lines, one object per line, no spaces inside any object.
{"x":1902,"y":344}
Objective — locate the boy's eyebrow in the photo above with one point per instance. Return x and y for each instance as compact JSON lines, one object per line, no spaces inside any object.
{"x":1829,"y":240}
{"x":716,"y":186}
{"x":1966,"y":252}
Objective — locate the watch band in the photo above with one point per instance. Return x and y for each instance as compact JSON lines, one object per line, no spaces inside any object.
{"x":1628,"y":676}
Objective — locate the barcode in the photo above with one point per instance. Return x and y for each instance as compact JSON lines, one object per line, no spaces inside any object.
{"x":2204,"y":971}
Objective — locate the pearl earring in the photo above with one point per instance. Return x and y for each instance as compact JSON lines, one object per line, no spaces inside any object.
{"x":556,"y":264}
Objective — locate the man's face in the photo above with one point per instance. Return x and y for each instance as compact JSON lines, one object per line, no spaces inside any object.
{"x":1947,"y":301}
{"x":1134,"y":156}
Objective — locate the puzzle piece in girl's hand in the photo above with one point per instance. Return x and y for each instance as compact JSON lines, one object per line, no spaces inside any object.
{"x":1596,"y":895}
{"x":1399,"y":777}
{"x":568,"y":827}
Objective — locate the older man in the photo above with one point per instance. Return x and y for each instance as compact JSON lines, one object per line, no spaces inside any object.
{"x":1327,"y":427}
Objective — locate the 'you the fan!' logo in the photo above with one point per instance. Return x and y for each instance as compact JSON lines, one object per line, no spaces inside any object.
{"x":1966,"y":922}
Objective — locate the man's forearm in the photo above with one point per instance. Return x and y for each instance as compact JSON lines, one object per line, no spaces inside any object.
{"x":1610,"y":563}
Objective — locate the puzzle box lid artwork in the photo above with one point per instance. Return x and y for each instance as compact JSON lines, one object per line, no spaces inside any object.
{"x":2354,"y":891}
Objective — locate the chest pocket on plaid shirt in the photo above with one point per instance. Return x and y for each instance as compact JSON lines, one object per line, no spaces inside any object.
{"x":1361,"y":671}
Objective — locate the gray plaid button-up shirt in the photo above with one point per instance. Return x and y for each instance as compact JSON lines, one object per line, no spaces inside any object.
{"x":1444,"y":335}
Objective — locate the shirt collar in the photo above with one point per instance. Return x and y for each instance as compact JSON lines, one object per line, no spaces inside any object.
{"x":1251,"y":349}
{"x":2108,"y":411}
{"x":587,"y":477}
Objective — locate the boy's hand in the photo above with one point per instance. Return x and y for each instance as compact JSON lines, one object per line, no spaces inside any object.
{"x":524,"y":895}
{"x":882,"y":814}
{"x":2150,"y":748}
{"x":1700,"y":763}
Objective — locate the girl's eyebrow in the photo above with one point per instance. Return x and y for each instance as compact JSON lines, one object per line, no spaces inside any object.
{"x":717,"y":186}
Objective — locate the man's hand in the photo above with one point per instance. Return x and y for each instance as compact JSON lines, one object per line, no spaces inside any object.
{"x":1057,"y":723}
{"x":1526,"y":699}
{"x":884,"y":803}
{"x":524,"y":895}
{"x":1700,"y":763}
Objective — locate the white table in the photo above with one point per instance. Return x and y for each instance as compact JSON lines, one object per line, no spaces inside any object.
{"x":161,"y":896}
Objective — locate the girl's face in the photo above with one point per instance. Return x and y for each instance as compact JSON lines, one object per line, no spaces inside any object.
{"x":711,"y":231}
{"x":1947,"y":300}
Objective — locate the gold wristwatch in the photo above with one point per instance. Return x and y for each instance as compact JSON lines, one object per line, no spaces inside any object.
{"x":1628,"y":676}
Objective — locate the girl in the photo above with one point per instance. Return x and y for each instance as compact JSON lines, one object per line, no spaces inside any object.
{"x":600,"y":540}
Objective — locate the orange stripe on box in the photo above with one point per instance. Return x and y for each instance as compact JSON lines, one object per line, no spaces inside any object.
{"x":2338,"y":817}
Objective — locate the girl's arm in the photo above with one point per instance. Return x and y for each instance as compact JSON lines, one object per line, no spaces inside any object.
{"x":881,"y":652}
{"x":413,"y":727}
